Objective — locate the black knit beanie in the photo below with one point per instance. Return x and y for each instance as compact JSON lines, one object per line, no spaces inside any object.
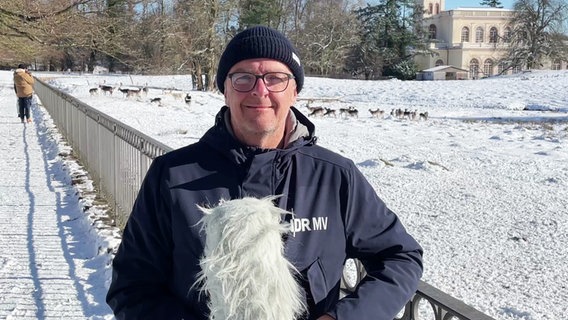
{"x":259,"y":42}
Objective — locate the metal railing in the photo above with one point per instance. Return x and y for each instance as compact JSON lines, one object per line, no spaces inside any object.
{"x":117,"y":158}
{"x":442,"y":306}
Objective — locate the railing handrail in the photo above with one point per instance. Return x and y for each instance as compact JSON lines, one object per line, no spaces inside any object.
{"x":118,"y":175}
{"x":116,"y":155}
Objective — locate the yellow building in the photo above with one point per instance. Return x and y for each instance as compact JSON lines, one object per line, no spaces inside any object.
{"x":474,"y":39}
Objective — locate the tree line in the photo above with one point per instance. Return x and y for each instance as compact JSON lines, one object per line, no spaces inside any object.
{"x":343,"y":38}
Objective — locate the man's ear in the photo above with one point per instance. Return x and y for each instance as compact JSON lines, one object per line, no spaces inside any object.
{"x":225,"y":93}
{"x":295,"y":95}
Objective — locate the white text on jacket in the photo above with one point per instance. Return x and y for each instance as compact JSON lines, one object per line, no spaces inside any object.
{"x":306,"y":224}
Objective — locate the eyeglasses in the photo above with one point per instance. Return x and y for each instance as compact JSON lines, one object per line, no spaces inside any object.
{"x":274,"y":81}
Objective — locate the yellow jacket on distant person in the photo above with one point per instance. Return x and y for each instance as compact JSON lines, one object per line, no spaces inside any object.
{"x":23,"y":83}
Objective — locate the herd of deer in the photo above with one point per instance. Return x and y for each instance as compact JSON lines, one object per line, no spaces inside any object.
{"x":377,"y":113}
{"x":138,"y":92}
{"x":321,"y":111}
{"x":313,"y":111}
{"x":410,"y":115}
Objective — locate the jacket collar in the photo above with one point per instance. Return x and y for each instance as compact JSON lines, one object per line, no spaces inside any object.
{"x":299,"y":132}
{"x":295,"y":129}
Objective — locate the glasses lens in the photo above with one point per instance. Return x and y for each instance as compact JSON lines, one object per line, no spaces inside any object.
{"x":243,"y":81}
{"x":274,"y":81}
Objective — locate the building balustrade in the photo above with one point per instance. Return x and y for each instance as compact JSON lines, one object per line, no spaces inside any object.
{"x":469,"y":45}
{"x":478,"y":12}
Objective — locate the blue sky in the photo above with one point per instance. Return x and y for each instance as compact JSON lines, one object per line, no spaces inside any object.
{"x":452,"y":4}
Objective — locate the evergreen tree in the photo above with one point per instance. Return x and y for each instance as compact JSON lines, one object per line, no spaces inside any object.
{"x":492,"y":3}
{"x":389,"y":40}
{"x":264,"y":12}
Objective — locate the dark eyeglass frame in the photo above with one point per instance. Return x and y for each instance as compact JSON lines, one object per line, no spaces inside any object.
{"x":260,"y":76}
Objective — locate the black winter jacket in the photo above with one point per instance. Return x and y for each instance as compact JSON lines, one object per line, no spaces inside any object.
{"x":338,"y":215}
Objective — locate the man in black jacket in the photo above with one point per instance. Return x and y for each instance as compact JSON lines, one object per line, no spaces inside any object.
{"x":260,"y":146}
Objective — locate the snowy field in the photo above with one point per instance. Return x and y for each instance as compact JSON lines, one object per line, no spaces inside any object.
{"x":482,"y":183}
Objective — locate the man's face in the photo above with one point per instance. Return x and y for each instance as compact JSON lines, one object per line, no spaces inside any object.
{"x":258,"y":117}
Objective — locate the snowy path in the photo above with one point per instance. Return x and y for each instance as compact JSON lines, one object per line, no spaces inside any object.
{"x":48,"y":268}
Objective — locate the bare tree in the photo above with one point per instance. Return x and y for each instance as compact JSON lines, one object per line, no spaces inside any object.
{"x":68,"y":34}
{"x":327,"y":33}
{"x":19,"y":19}
{"x":203,"y":26}
{"x":536,"y":33}
{"x":27,"y":26}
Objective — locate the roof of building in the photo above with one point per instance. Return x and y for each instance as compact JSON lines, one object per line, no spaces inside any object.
{"x":443,"y":68}
{"x":479,"y":9}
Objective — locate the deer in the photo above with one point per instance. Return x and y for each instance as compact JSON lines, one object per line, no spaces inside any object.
{"x":377,"y":113}
{"x":329,"y":112}
{"x":423,"y":116}
{"x":353,"y":112}
{"x":316,"y":111}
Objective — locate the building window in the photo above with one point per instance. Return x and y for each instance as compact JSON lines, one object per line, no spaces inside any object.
{"x":479,"y":35}
{"x":430,"y":8}
{"x":439,"y":62}
{"x":437,"y":8}
{"x":432,"y":32}
{"x":474,"y":68}
{"x":507,"y":35}
{"x":502,"y":67}
{"x":488,"y":67}
{"x":493,"y":35}
{"x":465,"y":34}
{"x":556,"y":65}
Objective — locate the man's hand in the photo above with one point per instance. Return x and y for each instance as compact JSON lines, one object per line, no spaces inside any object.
{"x":326,"y":317}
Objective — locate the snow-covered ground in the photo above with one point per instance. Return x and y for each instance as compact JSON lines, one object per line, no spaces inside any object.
{"x":482,"y":184}
{"x":54,"y":259}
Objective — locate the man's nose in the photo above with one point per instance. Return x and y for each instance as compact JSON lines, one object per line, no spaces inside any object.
{"x":260,"y":87}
